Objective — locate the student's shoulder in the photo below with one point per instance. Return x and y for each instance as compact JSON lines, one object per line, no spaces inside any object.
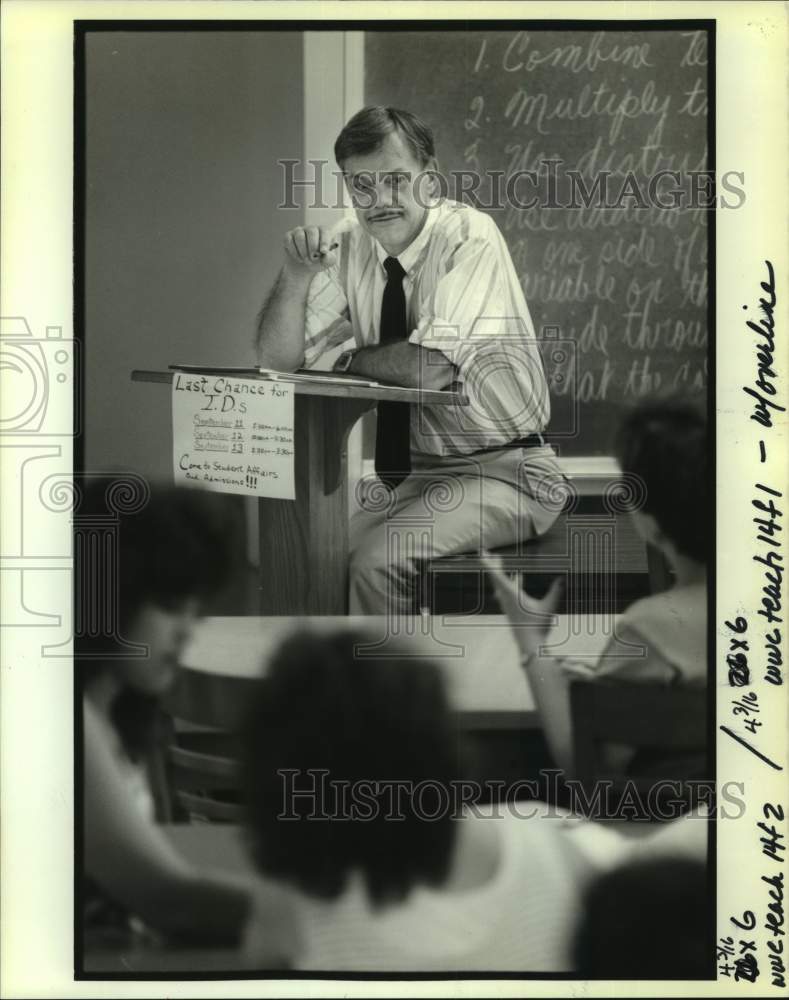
{"x":95,"y":729}
{"x":645,"y":610}
{"x":678,"y":606}
{"x":672,"y":626}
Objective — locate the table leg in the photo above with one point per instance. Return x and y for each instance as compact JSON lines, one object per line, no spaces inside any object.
{"x":304,"y":542}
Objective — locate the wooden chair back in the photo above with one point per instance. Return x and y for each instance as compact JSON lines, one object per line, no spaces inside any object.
{"x":667,"y":723}
{"x":198,"y":781}
{"x":196,"y":775}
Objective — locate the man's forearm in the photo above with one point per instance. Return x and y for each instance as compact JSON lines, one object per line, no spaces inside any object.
{"x":404,"y":364}
{"x":281,"y":322}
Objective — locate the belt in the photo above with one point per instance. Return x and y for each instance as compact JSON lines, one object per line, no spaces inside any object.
{"x":535,"y":440}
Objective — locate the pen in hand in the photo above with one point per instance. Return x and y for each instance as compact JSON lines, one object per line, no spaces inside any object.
{"x":346,"y":225}
{"x":323,"y":253}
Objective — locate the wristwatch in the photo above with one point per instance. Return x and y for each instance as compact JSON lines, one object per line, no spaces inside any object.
{"x":343,"y":363}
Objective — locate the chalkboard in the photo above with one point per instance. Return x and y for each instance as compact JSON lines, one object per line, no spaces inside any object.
{"x":618,"y":294}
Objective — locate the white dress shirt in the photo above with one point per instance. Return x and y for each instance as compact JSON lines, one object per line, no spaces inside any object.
{"x":463,"y":299}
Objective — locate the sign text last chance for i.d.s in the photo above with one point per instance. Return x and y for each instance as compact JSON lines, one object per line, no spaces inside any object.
{"x":233,"y":435}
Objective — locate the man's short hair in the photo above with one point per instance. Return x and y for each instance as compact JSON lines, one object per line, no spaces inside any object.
{"x":367,"y":723}
{"x":663,"y":441}
{"x":368,"y":128}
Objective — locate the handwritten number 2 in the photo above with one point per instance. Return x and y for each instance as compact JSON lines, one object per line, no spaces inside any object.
{"x":477,"y":104}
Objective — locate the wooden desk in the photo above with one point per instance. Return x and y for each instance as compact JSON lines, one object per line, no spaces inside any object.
{"x":140,"y":960}
{"x":478,"y":655}
{"x":304,"y":542}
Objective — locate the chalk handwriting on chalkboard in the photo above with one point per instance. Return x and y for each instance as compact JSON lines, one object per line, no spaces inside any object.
{"x":549,"y":130}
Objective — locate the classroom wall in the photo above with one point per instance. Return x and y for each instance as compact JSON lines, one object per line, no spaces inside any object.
{"x":183,"y":237}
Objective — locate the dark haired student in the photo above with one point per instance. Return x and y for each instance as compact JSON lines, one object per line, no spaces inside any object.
{"x":670,"y":895}
{"x":663,"y":442}
{"x":171,"y":556}
{"x":374,"y":829}
{"x":423,"y":292}
{"x":391,"y":872}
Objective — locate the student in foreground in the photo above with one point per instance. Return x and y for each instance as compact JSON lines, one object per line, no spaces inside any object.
{"x":648,"y":919}
{"x":663,"y":442}
{"x":352,"y":767}
{"x":378,"y":892}
{"x":171,"y":555}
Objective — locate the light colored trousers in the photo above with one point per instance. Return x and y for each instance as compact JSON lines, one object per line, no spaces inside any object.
{"x":447,"y":505}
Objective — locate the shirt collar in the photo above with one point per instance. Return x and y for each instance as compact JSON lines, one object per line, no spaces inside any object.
{"x":413,"y":252}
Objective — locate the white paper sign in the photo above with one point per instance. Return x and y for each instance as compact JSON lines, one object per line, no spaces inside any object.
{"x":233,"y":435}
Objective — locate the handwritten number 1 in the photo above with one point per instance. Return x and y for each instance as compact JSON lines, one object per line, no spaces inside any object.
{"x":478,"y":63}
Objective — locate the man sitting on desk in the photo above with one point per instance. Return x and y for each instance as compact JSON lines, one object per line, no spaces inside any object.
{"x":426,"y":289}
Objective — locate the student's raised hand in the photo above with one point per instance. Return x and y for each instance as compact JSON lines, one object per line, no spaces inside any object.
{"x":309,"y":249}
{"x":531,"y":617}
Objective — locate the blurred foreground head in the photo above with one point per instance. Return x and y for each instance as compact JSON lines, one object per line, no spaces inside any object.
{"x":147,"y":559}
{"x":351,"y":732}
{"x":647,"y":920}
{"x":663,"y":441}
{"x":163,"y":545}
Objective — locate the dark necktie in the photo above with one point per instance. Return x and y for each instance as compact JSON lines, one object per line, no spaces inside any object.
{"x":392,"y":438}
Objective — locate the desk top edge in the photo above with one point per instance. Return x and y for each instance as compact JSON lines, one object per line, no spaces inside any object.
{"x":441,"y":397}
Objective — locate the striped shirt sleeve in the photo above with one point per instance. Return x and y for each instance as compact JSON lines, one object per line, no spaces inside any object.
{"x":478,"y":318}
{"x":647,"y":665}
{"x":327,"y":317}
